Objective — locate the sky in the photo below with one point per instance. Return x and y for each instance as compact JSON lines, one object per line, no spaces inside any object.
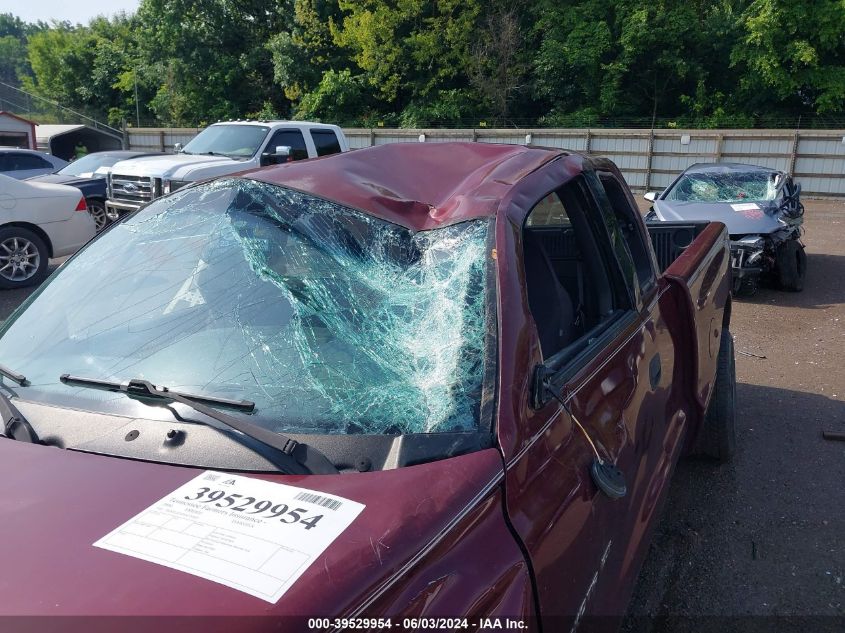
{"x":71,"y":10}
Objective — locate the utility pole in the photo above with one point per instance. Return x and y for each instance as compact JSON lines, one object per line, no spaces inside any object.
{"x":137,"y":108}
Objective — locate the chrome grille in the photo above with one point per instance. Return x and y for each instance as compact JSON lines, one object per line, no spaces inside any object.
{"x":138,"y":189}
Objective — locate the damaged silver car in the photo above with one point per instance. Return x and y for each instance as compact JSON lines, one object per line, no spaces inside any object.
{"x":761,"y":208}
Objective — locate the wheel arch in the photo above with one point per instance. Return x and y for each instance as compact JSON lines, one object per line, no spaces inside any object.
{"x":35,"y":229}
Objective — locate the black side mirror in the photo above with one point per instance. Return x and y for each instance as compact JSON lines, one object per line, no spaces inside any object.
{"x":280,"y":154}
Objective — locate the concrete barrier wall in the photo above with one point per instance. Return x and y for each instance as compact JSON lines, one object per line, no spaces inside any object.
{"x":648,"y":159}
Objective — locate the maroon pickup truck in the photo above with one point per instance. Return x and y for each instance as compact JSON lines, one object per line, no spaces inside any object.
{"x":417,"y":386}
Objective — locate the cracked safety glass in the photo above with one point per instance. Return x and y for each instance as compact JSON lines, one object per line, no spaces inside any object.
{"x":734,"y":186}
{"x":332,"y":321}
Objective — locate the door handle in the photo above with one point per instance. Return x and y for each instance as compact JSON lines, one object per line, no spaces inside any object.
{"x":655,"y":371}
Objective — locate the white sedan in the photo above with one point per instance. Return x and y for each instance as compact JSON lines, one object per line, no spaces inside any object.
{"x":38,"y":221}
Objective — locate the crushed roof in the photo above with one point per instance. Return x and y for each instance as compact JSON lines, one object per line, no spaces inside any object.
{"x":418,"y":185}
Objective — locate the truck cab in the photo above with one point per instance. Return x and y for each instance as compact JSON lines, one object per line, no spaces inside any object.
{"x":481,"y":346}
{"x":219,"y":150}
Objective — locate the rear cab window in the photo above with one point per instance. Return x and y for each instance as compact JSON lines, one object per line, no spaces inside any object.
{"x":326,"y":142}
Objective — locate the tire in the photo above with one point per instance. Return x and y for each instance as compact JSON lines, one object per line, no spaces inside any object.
{"x":23,"y":257}
{"x":717,"y":437}
{"x":97,"y":209}
{"x":791,"y":266}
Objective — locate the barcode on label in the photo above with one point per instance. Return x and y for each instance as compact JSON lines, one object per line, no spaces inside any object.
{"x":319,"y":500}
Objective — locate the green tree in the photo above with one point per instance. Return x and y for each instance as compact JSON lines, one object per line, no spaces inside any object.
{"x":303,"y":55}
{"x":209,"y":59}
{"x":497,"y":63}
{"x":339,"y":98}
{"x":83,"y":67}
{"x":13,"y":56}
{"x":411,"y":52}
{"x":636,"y":59}
{"x":13,"y":61}
{"x":793,"y":55}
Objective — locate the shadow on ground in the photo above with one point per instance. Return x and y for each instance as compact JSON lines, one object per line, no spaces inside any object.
{"x":823,"y":286}
{"x":749,"y":538}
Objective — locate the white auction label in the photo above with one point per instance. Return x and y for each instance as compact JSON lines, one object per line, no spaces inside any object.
{"x":745,"y":206}
{"x":248,"y":534}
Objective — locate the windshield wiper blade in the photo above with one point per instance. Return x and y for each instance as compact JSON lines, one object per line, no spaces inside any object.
{"x":11,"y":374}
{"x":298,"y":458}
{"x":149,"y":390}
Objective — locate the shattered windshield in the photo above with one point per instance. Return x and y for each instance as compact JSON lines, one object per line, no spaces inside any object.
{"x":330,"y":320}
{"x":733,"y":186}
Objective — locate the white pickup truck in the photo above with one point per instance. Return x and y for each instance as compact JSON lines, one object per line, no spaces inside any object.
{"x":220,"y":149}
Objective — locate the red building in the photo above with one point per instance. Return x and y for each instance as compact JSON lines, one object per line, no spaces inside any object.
{"x":16,"y":131}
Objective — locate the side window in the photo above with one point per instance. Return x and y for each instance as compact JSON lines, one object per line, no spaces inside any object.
{"x":627,"y":222}
{"x":27,"y":161}
{"x":548,"y":212}
{"x":326,"y":142}
{"x":571,"y":275}
{"x":291,"y":138}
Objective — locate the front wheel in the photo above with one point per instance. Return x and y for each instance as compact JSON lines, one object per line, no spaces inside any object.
{"x":791,"y":266}
{"x":717,"y":437}
{"x":98,"y":211}
{"x":23,"y":257}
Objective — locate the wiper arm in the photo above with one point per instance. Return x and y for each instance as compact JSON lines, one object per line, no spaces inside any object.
{"x":15,"y":425}
{"x":298,"y":458}
{"x":13,"y":375}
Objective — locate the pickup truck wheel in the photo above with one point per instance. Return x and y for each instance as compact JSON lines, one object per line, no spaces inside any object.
{"x":98,"y":211}
{"x":791,"y":266}
{"x":717,"y":438}
{"x":23,"y":258}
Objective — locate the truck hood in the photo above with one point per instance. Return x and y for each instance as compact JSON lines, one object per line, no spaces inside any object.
{"x":55,"y":503}
{"x":178,"y":166}
{"x":740,"y":221}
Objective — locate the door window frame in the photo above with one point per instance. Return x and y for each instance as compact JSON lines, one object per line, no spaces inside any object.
{"x":641,"y":289}
{"x":271,"y":145}
{"x":562,"y":366}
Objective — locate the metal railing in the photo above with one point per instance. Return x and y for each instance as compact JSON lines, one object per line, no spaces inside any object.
{"x":42,"y":110}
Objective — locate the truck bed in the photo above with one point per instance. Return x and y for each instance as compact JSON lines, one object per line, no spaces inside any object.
{"x":670,"y":239}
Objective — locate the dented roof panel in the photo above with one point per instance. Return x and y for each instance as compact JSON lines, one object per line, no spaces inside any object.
{"x":419,"y":186}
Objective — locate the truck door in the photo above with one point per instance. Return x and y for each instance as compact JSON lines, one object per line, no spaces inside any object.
{"x":654,"y":420}
{"x":593,"y":345}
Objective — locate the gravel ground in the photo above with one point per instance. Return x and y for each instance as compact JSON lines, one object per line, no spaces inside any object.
{"x":765,"y":535}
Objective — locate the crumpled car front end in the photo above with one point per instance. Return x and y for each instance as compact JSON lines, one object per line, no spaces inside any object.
{"x":760,"y":207}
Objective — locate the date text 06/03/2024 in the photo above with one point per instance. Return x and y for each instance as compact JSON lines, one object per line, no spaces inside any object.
{"x":417,"y":624}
